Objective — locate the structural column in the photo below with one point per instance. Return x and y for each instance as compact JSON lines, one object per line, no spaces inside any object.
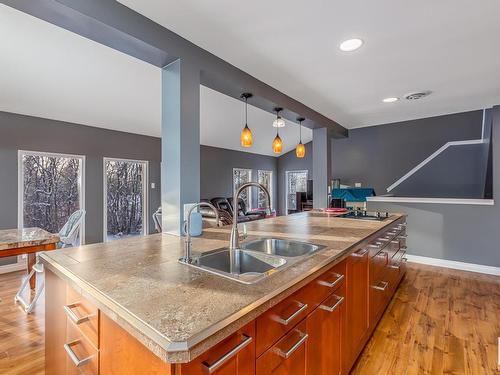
{"x":180,"y":142}
{"x":322,"y":169}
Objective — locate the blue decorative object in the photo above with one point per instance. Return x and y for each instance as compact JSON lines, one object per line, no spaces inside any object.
{"x":353,"y":194}
{"x":196,"y":224}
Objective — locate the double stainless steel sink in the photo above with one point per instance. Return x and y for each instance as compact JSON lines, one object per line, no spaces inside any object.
{"x":255,"y":260}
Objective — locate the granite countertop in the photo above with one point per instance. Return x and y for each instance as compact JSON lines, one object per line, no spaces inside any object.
{"x":16,"y":238}
{"x":177,"y":311}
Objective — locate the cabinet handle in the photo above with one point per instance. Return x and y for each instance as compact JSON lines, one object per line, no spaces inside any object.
{"x":382,"y":254}
{"x":289,"y":352}
{"x":360,"y":253}
{"x":382,"y":288}
{"x":332,"y":284}
{"x":71,"y":314}
{"x":74,"y":358}
{"x":210,"y":369}
{"x":285,"y":321}
{"x":340,"y":300}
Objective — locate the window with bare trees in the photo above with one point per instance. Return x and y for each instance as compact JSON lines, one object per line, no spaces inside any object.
{"x":125,"y":198}
{"x":50,"y":189}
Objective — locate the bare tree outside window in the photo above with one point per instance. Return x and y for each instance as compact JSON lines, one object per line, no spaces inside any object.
{"x":240,"y":177}
{"x":296,"y":181}
{"x":51,"y":189}
{"x":125,"y":197}
{"x":265,"y":178}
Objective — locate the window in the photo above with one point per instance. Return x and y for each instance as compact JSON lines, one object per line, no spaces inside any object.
{"x":265,"y":178}
{"x":125,"y":198}
{"x":296,"y":181}
{"x":50,"y":189}
{"x":240,"y":177}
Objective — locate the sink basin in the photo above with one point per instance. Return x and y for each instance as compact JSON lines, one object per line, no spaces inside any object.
{"x":239,"y":265}
{"x":279,"y":247}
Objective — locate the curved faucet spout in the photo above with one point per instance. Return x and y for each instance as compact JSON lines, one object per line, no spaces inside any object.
{"x":187,"y":257}
{"x":234,"y":240}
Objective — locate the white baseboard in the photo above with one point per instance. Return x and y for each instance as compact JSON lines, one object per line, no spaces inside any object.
{"x":12,"y":267}
{"x":490,"y":270}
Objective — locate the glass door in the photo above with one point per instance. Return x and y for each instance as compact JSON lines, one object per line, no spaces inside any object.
{"x":125,"y":198}
{"x":242,"y":176}
{"x":296,"y":181}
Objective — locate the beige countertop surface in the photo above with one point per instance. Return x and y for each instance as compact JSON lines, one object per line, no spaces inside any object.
{"x":178,"y":311}
{"x":16,"y":238}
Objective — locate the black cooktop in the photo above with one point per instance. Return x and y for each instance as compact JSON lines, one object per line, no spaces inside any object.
{"x":365,"y":215}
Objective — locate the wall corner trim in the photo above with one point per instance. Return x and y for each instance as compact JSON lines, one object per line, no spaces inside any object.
{"x":471,"y":267}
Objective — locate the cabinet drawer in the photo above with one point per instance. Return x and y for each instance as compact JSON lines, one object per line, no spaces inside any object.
{"x":81,"y":356}
{"x":280,"y":319}
{"x":287,"y":356}
{"x":379,"y":285}
{"x":234,"y":355}
{"x":83,"y":314}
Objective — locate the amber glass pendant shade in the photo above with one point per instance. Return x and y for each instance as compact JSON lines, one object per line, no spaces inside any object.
{"x":246,"y":137}
{"x":277,"y":144}
{"x":300,"y":150}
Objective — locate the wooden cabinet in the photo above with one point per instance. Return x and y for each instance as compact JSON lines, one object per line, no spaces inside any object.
{"x":318,"y":330}
{"x":71,"y":326}
{"x":233,"y":356}
{"x":287,"y":356}
{"x":325,"y":330}
{"x":356,"y":305}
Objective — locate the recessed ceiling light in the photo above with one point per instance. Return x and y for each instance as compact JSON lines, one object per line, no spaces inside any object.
{"x":390,"y":100}
{"x":351,"y":45}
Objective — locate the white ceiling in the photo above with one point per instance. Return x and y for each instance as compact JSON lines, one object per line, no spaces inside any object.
{"x":447,"y":46}
{"x":49,"y":72}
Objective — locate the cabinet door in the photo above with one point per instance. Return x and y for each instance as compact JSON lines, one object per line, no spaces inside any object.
{"x":324,"y":327}
{"x":356,"y":305}
{"x":233,"y":356}
{"x":287,"y":356}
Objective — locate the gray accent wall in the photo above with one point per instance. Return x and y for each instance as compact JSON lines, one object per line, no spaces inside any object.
{"x":19,"y":132}
{"x":378,"y":156}
{"x":216,"y":171}
{"x":290,"y":162}
{"x":464,"y":233}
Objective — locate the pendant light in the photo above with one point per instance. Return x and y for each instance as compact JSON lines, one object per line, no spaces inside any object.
{"x":279,"y":122}
{"x":278,"y":143}
{"x":246,"y":138}
{"x":300,"y":150}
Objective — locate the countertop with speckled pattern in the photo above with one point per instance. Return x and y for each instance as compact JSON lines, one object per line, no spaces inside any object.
{"x":178,"y":311}
{"x":26,"y":237}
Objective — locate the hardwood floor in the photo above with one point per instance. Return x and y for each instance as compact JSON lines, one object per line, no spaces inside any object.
{"x":21,"y":336}
{"x":441,"y":321}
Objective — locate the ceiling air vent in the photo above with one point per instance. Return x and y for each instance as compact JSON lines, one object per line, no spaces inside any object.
{"x":417,"y":95}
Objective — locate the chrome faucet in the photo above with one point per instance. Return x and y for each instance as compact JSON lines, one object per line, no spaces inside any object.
{"x":187,"y":244}
{"x":235,"y":239}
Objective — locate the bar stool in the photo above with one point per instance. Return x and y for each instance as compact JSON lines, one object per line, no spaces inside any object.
{"x":29,"y":306}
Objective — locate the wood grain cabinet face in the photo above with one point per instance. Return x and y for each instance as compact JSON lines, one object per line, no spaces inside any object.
{"x":233,"y":356}
{"x":325,"y":330}
{"x":287,"y":356}
{"x":356,"y":305}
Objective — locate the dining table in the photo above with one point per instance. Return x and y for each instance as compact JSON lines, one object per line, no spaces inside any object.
{"x":29,"y":241}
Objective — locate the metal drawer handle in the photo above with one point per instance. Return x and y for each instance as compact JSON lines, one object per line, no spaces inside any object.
{"x":382,"y":288}
{"x":210,"y":369}
{"x":332,"y":284}
{"x":395,"y":242}
{"x":403,"y":236}
{"x":71,"y":314}
{"x":358,"y":254}
{"x":382,"y":254}
{"x":289,"y":352}
{"x":74,"y":358}
{"x":340,"y":300}
{"x":302,"y":307}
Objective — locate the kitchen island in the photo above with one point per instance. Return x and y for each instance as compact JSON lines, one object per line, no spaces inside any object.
{"x":130,"y":307}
